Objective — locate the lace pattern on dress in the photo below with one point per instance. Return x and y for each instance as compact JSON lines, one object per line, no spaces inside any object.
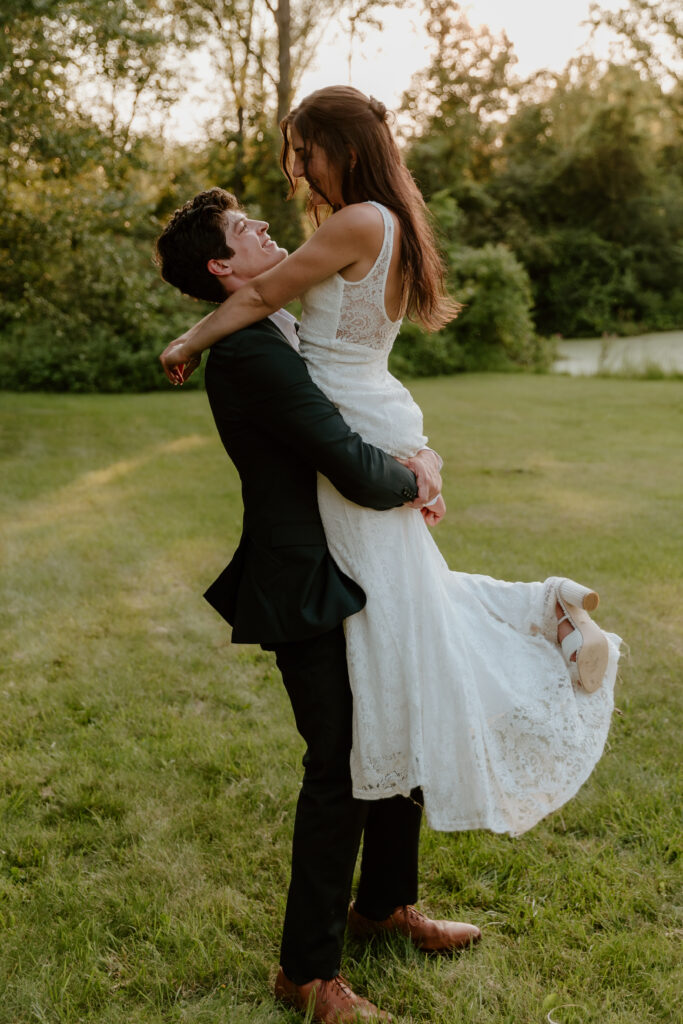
{"x":363,"y":319}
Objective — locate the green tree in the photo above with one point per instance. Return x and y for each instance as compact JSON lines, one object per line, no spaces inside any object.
{"x":589,"y":197}
{"x":259,"y":50}
{"x":495,"y":329}
{"x":458,"y":105}
{"x":86,"y":192}
{"x":81,"y":305}
{"x":649,"y":36}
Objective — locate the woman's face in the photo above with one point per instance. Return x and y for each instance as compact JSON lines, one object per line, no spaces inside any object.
{"x":319,"y":172}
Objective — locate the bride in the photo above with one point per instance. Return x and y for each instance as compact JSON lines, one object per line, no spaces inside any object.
{"x":494,"y":697}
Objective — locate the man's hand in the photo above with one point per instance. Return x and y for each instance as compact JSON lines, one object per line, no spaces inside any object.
{"x":426,"y":466}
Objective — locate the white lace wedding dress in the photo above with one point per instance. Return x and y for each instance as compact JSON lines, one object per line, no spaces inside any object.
{"x":457,"y":682}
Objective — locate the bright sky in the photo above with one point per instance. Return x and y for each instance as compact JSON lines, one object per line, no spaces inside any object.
{"x":544,"y":33}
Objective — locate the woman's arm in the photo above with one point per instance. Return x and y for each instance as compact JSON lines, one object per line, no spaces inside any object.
{"x":349,"y":236}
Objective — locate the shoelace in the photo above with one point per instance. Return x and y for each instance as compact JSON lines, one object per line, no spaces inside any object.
{"x":339,"y":983}
{"x":414,"y":913}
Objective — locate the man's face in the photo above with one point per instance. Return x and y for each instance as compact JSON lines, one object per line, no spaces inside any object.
{"x":254,"y":251}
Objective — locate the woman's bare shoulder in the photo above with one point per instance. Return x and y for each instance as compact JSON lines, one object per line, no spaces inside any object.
{"x":360,"y":219}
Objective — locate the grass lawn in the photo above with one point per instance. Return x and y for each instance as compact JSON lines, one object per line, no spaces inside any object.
{"x":148,"y":769}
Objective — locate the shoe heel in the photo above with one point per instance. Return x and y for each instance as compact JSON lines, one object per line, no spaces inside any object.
{"x":582,"y":597}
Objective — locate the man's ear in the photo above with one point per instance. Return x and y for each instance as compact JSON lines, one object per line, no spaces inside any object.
{"x":221,"y":268}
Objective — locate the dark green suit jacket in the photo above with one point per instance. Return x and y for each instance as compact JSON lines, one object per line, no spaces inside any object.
{"x":279,"y":429}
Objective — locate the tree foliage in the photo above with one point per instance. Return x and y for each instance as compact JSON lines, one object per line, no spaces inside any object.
{"x":559,"y":200}
{"x":74,"y":269}
{"x":577,"y":173}
{"x":458,"y":104}
{"x":589,"y":197}
{"x":649,"y":36}
{"x":494,"y":330}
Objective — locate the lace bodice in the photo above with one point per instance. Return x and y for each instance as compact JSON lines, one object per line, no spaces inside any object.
{"x":345,"y":338}
{"x":353,"y":312}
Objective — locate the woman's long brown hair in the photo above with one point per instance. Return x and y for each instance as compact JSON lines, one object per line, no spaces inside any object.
{"x":340,"y":119}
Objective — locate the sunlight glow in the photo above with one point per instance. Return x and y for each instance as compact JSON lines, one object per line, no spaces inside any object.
{"x":383,"y":61}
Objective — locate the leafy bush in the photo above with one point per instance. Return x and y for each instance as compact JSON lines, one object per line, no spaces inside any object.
{"x":85,"y":309}
{"x":66,"y":350}
{"x":495,"y":329}
{"x":83,"y":358}
{"x":419,"y":354}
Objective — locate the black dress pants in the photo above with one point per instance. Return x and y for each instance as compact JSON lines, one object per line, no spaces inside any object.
{"x":329,"y":822}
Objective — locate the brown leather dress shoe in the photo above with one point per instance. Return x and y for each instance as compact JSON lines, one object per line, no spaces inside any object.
{"x":333,"y":1002}
{"x":429,"y":936}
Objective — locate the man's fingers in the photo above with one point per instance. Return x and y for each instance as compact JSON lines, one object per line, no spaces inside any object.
{"x":427,"y":477}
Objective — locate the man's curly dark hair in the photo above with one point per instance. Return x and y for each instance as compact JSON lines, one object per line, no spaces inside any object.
{"x":194,"y":235}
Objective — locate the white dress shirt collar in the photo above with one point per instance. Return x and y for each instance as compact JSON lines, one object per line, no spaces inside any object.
{"x":286,"y":323}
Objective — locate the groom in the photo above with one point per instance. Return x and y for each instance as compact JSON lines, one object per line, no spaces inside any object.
{"x":283,"y":590}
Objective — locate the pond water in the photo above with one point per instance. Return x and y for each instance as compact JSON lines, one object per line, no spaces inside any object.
{"x":613,"y":355}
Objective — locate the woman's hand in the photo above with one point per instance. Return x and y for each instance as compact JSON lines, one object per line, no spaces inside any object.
{"x":433,"y":514}
{"x":178,"y":362}
{"x":191,"y":365}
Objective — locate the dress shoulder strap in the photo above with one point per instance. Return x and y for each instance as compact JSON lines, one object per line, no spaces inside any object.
{"x":381,"y":267}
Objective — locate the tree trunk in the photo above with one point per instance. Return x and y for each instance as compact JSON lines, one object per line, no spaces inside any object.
{"x":284,"y":83}
{"x":238,"y":177}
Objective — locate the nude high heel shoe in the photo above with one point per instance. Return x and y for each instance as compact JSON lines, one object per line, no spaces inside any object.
{"x":586,"y":641}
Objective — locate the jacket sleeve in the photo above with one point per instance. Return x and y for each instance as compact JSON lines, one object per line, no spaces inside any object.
{"x":274,"y":389}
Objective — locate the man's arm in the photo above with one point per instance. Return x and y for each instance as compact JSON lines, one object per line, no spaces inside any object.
{"x":274,"y":390}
